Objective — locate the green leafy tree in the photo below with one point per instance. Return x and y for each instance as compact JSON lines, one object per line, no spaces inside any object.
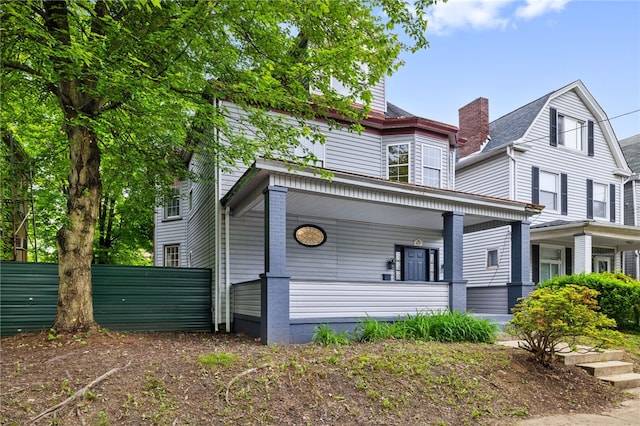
{"x":550,"y":317}
{"x":132,"y":79}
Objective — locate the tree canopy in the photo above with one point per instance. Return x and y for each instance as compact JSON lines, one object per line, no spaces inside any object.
{"x":114,"y":92}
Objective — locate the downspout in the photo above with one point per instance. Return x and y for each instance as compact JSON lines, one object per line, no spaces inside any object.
{"x":217,"y":245}
{"x":227,"y":296}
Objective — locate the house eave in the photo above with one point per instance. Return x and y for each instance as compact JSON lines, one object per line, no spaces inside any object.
{"x":622,"y":237}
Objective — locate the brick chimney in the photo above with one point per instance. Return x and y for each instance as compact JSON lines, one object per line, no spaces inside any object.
{"x":473,"y":121}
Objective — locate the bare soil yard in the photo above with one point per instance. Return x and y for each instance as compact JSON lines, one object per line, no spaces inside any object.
{"x":202,"y":379}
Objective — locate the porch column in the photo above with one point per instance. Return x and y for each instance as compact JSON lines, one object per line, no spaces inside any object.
{"x":582,"y":259}
{"x":274,"y":283}
{"x":453,"y":231}
{"x":521,"y":284}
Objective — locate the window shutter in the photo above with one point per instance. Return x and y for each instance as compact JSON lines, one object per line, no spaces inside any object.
{"x":535,"y":185}
{"x":535,"y":263}
{"x":568,"y":261}
{"x":553,"y":127}
{"x":590,"y":148}
{"x":564,"y":205}
{"x":612,"y":203}
{"x":589,"y":199}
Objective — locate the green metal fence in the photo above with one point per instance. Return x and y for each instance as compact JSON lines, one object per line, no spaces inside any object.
{"x":125,"y":298}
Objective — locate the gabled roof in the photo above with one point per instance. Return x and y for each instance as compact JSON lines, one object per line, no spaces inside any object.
{"x":514,"y":127}
{"x":631,"y":150}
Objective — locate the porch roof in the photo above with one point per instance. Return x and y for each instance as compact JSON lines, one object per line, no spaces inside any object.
{"x":349,"y":196}
{"x":603,"y":234}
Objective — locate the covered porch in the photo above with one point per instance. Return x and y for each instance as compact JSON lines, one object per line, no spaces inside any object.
{"x":363,"y":264}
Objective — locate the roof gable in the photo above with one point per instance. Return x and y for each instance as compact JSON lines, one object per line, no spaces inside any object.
{"x":631,"y":150}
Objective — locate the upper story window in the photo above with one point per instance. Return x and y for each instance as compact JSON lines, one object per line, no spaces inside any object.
{"x":570,"y":132}
{"x":431,"y":166}
{"x":600,"y":200}
{"x":549,"y":190}
{"x":172,"y":255}
{"x":172,"y":206}
{"x":398,"y":162}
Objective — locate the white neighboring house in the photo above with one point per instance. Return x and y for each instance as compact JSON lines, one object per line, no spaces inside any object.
{"x":290,"y":250}
{"x":631,"y":150}
{"x":559,"y":151}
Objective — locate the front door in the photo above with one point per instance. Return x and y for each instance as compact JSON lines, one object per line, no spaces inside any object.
{"x":602,"y":264}
{"x":415,"y":267}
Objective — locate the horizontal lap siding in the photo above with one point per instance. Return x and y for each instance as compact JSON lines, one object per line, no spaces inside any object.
{"x":475,"y":247}
{"x":577,"y":165}
{"x":488,"y":300}
{"x":352,"y":152}
{"x":246,"y":299}
{"x":201,"y":217}
{"x":490,"y":177}
{"x":352,"y":299}
{"x":172,"y":231}
{"x":379,"y":98}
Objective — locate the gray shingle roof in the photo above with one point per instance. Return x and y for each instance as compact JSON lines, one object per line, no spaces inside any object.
{"x":631,"y":150}
{"x":394,"y":111}
{"x":513,"y":126}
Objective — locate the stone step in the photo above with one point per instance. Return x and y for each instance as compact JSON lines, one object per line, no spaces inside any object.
{"x":607,"y":368}
{"x":623,"y":381}
{"x":573,"y":358}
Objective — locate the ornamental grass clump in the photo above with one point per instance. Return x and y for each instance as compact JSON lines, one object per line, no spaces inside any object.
{"x":553,"y":316}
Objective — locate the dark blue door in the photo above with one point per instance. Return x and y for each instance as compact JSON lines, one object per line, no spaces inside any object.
{"x":415,"y":267}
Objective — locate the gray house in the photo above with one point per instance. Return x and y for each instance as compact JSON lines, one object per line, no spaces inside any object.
{"x":631,"y":150}
{"x":559,"y":151}
{"x":382,"y":238}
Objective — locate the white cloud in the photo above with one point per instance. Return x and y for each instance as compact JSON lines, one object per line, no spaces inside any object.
{"x":535,"y":8}
{"x":487,"y":14}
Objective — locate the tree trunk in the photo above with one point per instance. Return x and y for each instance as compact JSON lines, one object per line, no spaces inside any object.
{"x":75,"y":238}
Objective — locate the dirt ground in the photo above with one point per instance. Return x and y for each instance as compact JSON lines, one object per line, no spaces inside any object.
{"x":202,"y":379}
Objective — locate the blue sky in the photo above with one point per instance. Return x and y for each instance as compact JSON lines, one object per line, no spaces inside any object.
{"x":513,"y":52}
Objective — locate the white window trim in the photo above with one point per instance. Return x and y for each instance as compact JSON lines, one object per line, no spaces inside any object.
{"x":600,"y":259}
{"x":561,"y":133}
{"x":560,"y":263}
{"x":408,"y":144}
{"x":607,"y":201}
{"x":422,"y":166}
{"x":165,"y":259}
{"x":486,"y":257}
{"x":165,"y":208}
{"x":557,"y":192}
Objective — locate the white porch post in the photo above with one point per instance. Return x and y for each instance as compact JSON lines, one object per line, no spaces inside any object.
{"x":582,"y":259}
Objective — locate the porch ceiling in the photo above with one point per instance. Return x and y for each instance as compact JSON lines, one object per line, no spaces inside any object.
{"x":619,"y":237}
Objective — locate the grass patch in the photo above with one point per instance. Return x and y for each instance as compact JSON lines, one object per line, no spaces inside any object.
{"x":217,"y":358}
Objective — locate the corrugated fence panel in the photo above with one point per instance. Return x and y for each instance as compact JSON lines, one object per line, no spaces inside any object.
{"x":125,"y":298}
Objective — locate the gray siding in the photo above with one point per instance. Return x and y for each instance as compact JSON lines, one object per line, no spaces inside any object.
{"x":446,"y":176}
{"x":475,"y":249}
{"x":488,"y":300}
{"x":577,"y":165}
{"x":379,"y":96}
{"x":353,"y":251}
{"x":246,"y":298}
{"x":350,"y":152}
{"x":490,"y":177}
{"x":172,"y":231}
{"x":339,"y":299}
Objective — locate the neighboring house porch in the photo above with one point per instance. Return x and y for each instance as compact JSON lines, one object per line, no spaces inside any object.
{"x":307,"y":250}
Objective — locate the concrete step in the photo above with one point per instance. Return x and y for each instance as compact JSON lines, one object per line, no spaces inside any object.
{"x":579,"y":357}
{"x":623,"y":381}
{"x":607,"y":368}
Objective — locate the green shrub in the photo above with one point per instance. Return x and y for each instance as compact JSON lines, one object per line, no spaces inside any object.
{"x":445,"y":326}
{"x":619,"y":295}
{"x":551,"y":316}
{"x":325,"y":335}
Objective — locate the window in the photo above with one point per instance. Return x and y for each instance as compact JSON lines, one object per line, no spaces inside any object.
{"x":398,"y":162}
{"x":172,"y":255}
{"x":549,"y":190}
{"x":599,"y":200}
{"x":570,"y":132}
{"x":492,"y":258}
{"x":550,"y":262}
{"x":431,"y":165}
{"x":172,"y":207}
